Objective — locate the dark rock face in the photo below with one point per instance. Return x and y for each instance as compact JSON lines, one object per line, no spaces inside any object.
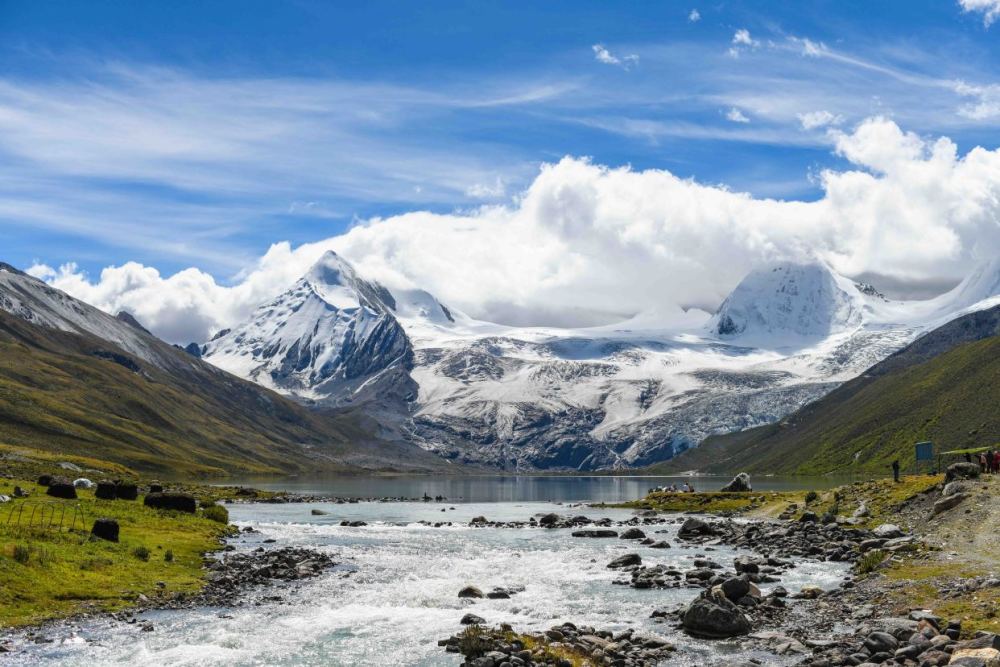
{"x":105,"y":529}
{"x":61,"y":488}
{"x":740,"y":484}
{"x":181,"y":502}
{"x":44,"y":480}
{"x":193,"y":349}
{"x":714,"y":619}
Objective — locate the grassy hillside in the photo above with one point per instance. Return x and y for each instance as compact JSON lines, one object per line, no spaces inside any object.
{"x":76,"y":394}
{"x":938,"y":389}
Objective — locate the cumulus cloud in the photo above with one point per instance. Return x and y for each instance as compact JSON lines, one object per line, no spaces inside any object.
{"x":586,"y":243}
{"x":603,"y":55}
{"x":990,"y":9}
{"x":742,"y":41}
{"x":694,"y":16}
{"x":986,"y":104}
{"x":736,"y":116}
{"x":816,"y":119}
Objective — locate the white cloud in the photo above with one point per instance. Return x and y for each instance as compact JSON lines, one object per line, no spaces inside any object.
{"x":742,"y":41}
{"x":816,"y":119}
{"x":694,"y":16}
{"x":987,"y":101}
{"x":990,"y":9}
{"x":602,"y":55}
{"x":611,"y":242}
{"x":736,"y":116}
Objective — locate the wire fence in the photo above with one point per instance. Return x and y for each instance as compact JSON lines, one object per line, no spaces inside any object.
{"x":44,"y":515}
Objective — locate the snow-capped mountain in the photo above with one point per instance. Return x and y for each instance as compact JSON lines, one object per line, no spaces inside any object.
{"x":614,"y":396}
{"x":329,"y":337}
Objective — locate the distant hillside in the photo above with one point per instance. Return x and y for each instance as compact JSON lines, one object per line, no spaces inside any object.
{"x":944,"y":387}
{"x":77,"y":381}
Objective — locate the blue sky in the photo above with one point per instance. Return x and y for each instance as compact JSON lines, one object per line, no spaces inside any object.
{"x":197,"y":134}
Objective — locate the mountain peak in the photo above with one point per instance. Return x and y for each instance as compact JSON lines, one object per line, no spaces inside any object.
{"x":335,"y":280}
{"x":802,"y":299}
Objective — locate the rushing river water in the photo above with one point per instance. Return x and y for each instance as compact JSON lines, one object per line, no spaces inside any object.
{"x":395,"y":594}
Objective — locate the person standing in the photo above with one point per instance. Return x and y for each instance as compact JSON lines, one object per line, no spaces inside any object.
{"x":895,"y":470}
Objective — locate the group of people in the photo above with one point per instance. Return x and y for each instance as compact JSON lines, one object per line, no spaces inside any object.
{"x":673,"y":488}
{"x":989,"y":462}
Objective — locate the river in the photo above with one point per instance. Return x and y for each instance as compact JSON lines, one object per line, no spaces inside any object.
{"x":395,"y":594}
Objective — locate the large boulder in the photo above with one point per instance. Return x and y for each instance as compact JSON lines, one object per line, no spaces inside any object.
{"x":947,"y":503}
{"x":470,"y":592}
{"x":714,"y":619}
{"x":735,"y":588}
{"x":106,"y":529}
{"x":888,"y":531}
{"x":61,"y":487}
{"x":954,"y":488}
{"x":693,"y":527}
{"x":962,"y":470}
{"x":181,"y":502}
{"x":549,"y":520}
{"x":975,"y":657}
{"x":740,"y":484}
{"x":625,"y":561}
{"x":633,"y":534}
{"x":595,"y":532}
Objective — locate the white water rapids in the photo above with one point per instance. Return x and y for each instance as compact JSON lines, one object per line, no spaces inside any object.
{"x":401,"y":595}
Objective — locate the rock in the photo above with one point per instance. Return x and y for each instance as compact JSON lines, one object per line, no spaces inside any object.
{"x":105,"y":529}
{"x":625,"y":561}
{"x":181,"y":502}
{"x":633,"y":534}
{"x":693,"y":527}
{"x":881,"y":642}
{"x":126,"y":491}
{"x":809,"y":517}
{"x":316,"y":512}
{"x":951,"y":488}
{"x":44,"y":480}
{"x":888,"y":531}
{"x":711,"y":620}
{"x":470,"y":592}
{"x":83,"y":483}
{"x":976,"y":657}
{"x":595,"y":533}
{"x":810,"y":592}
{"x":740,"y":484}
{"x":961,"y":470}
{"x":61,"y":488}
{"x":861,"y":512}
{"x":660,"y":545}
{"x":472,"y":619}
{"x":744,"y":564}
{"x":735,"y":588}
{"x":549,"y":520}
{"x":105,"y":490}
{"x":945,"y":504}
{"x":156,"y":488}
{"x":988,"y":640}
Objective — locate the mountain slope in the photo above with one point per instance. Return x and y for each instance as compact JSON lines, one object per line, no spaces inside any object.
{"x":76,"y":380}
{"x":327,"y":339}
{"x":943,"y":387}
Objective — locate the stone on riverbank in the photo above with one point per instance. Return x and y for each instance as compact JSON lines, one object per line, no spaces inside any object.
{"x":627,"y":560}
{"x":595,"y":533}
{"x":470,"y":592}
{"x":714,"y":619}
{"x":740,"y":484}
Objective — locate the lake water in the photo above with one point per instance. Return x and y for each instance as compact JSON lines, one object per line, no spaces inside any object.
{"x":395,"y":594}
{"x":518,"y":488}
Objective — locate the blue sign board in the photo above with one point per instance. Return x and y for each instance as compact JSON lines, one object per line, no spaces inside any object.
{"x":925,"y":451}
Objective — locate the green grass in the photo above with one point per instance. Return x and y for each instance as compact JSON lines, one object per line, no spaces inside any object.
{"x":66,"y":572}
{"x":711,"y":502}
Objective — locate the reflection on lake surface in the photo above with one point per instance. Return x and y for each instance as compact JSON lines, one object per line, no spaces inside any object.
{"x":517,"y":488}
